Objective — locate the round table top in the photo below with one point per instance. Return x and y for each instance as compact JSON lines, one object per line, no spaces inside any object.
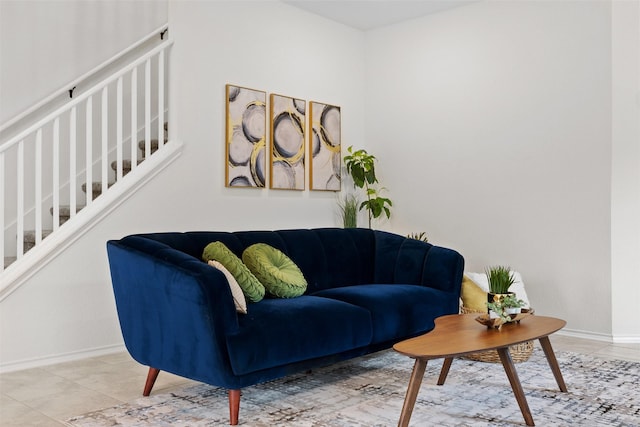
{"x":458,"y":334}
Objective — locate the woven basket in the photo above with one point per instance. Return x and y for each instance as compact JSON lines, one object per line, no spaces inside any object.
{"x":519,"y":352}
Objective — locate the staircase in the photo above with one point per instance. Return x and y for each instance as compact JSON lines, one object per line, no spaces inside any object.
{"x":65,"y":170}
{"x":65,"y":211}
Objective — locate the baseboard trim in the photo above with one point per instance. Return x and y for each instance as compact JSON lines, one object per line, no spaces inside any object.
{"x":615,"y":339}
{"x":597,"y":336}
{"x":60,"y":358}
{"x":626,"y":339}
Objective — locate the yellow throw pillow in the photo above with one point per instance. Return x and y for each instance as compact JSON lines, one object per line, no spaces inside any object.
{"x":472,"y":295}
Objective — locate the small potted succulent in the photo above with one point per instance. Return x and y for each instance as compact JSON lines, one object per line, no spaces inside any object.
{"x":505,"y":307}
{"x":511,"y":304}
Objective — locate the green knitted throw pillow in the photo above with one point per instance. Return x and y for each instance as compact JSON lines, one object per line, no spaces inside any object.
{"x":250,"y":285}
{"x":280,"y":276}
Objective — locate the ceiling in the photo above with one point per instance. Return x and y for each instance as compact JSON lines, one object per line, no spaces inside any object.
{"x":370,"y":14}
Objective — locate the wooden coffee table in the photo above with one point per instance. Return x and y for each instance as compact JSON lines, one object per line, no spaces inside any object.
{"x":459,"y":334}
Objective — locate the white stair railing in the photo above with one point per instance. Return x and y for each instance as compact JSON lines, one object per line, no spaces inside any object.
{"x":98,"y":129}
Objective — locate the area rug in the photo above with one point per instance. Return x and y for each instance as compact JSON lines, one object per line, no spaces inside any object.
{"x":369,"y":391}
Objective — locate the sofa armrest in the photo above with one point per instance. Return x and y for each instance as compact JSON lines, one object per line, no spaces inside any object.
{"x":443,"y":270}
{"x":174,"y":310}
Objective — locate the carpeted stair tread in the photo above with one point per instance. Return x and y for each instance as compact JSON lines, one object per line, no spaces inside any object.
{"x":95,"y":186}
{"x":30,"y":238}
{"x":96,"y":189}
{"x":30,"y":235}
{"x":126,"y":165}
{"x":65,"y":210}
{"x":154,"y":144}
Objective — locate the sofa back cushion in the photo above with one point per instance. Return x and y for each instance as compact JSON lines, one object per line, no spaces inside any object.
{"x":335,"y":257}
{"x":328,"y":257}
{"x":410,"y":261}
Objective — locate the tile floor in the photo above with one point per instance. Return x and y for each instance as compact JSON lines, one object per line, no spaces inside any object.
{"x":48,"y":395}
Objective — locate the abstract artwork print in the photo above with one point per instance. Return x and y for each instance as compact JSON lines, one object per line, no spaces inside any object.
{"x":325,"y":147}
{"x":288,"y":116}
{"x":245,"y":137}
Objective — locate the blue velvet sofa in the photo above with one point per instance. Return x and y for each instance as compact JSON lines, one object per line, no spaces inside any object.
{"x":367,"y":289}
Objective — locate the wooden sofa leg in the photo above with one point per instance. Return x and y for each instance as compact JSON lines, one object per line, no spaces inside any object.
{"x":234,"y":407}
{"x":151,"y":380}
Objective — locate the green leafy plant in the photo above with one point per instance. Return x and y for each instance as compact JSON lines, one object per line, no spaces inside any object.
{"x":349,"y":211}
{"x":500,"y":279}
{"x":501,"y":305}
{"x":511,"y":301}
{"x":361,"y":167}
{"x":422,"y":236}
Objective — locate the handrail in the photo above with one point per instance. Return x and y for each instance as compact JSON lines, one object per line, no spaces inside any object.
{"x":72,"y":84}
{"x":89,"y":92}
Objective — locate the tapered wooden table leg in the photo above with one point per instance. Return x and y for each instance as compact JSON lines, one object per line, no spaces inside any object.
{"x":412,"y":392}
{"x":553,"y":362}
{"x":445,"y":370}
{"x":510,"y":369}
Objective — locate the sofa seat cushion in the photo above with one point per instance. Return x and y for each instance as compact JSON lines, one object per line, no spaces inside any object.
{"x":277,"y":332}
{"x":397,"y":311}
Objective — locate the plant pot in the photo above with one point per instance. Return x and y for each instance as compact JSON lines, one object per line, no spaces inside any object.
{"x":513,"y":310}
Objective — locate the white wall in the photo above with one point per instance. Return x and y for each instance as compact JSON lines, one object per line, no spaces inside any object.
{"x":267,"y":46}
{"x":493,"y":126}
{"x":625,"y":194}
{"x":68,"y":306}
{"x":46,"y":44}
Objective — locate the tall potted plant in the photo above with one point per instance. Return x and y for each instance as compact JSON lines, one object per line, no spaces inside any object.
{"x":361,"y":167}
{"x":500,"y":280}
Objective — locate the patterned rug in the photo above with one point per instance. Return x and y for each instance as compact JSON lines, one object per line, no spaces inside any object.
{"x":369,"y":391}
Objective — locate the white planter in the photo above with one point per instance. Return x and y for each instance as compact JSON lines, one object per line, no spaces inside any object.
{"x":493,"y":314}
{"x":513,"y":310}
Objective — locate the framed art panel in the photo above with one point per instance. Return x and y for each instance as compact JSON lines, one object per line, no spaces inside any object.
{"x":245,"y":151}
{"x":325,"y":147}
{"x":288,"y":119}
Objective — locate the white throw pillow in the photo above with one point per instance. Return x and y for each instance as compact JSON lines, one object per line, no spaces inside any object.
{"x":236,"y":291}
{"x":518,"y":285}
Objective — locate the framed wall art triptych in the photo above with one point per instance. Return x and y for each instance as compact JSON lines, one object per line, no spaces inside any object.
{"x":288,"y":119}
{"x":245,"y":137}
{"x":246,"y":148}
{"x":325,"y":147}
